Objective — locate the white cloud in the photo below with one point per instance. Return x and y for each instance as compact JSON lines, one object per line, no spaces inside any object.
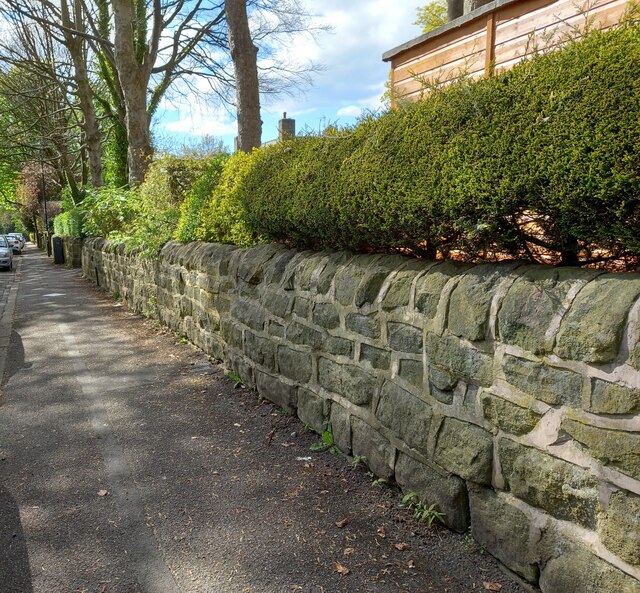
{"x":349,"y":111}
{"x":353,"y":76}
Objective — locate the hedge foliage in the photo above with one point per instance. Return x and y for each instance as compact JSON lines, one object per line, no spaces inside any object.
{"x":546,"y":154}
{"x":70,"y":223}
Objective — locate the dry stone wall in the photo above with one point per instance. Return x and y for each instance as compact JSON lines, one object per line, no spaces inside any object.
{"x":507,"y":394}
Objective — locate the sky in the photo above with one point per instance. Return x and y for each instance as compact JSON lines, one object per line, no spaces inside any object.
{"x":352,"y":79}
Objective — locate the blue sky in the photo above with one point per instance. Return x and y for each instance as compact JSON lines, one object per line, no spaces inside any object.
{"x":352,"y":80}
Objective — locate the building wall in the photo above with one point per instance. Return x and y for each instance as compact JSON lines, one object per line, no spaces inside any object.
{"x":508,"y":395}
{"x":495,"y":36}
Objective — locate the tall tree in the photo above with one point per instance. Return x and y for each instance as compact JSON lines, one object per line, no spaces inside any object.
{"x":245,"y":64}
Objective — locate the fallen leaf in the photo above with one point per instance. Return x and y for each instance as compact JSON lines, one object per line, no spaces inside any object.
{"x":340,"y":569}
{"x":381,"y":532}
{"x":491,"y":586}
{"x":342,"y":522}
{"x":401,"y":546}
{"x":411,"y":564}
{"x":348,"y":551}
{"x":102,"y":492}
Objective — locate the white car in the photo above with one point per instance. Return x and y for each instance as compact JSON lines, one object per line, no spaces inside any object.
{"x":6,"y":256}
{"x":14,"y":243}
{"x":19,"y":237}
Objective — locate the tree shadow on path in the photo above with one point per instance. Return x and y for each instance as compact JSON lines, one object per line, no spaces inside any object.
{"x":15,"y":573}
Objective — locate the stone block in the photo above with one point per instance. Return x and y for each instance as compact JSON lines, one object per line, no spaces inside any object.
{"x":611,"y":398}
{"x":276,"y":267}
{"x":399,"y":293}
{"x":298,"y":333}
{"x":405,"y":338}
{"x":249,"y":313}
{"x":347,"y":380}
{"x":261,"y":350}
{"x":326,"y":315}
{"x":276,"y":329}
{"x":430,"y":286}
{"x":466,"y":450}
{"x":408,"y":417}
{"x":243,"y":368}
{"x":441,"y":379}
{"x":592,"y":329}
{"x":446,"y":491}
{"x":411,"y":371}
{"x":313,"y":409}
{"x":348,"y":278}
{"x":634,"y":357}
{"x":339,"y":346}
{"x":327,"y":275}
{"x":619,"y":526}
{"x":253,"y":261}
{"x":365,"y":325}
{"x":504,"y":531}
{"x":302,"y":306}
{"x":369,"y":287}
{"x":305,"y":270}
{"x":445,"y":397}
{"x":562,"y":489}
{"x":231,"y":333}
{"x":378,"y":451}
{"x":532,"y":302}
{"x":272,"y":388}
{"x":277,"y":302}
{"x":378,"y":358}
{"x":341,"y":427}
{"x":574,"y":569}
{"x":508,"y":416}
{"x":449,"y":353}
{"x":616,"y":448}
{"x":548,"y":384}
{"x":294,"y":364}
{"x":470,"y":301}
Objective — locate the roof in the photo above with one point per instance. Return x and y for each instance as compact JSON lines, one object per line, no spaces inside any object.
{"x":451,"y":25}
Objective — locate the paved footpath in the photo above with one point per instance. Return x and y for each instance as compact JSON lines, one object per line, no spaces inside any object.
{"x":129,"y":464}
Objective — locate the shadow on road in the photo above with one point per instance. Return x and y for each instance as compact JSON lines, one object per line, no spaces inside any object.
{"x":15,"y":574}
{"x":16,"y":355}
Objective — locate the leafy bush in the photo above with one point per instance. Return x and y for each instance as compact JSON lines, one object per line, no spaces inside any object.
{"x":544,"y":155}
{"x":197,"y":197}
{"x":222,"y":215}
{"x":70,"y":223}
{"x":109,"y":211}
{"x":160,"y":196}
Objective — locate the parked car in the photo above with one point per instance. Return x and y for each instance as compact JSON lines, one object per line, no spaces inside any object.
{"x":14,"y":243}
{"x":6,"y":255}
{"x":20,"y":238}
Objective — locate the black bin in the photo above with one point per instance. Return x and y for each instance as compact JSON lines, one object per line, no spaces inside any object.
{"x":58,"y":250}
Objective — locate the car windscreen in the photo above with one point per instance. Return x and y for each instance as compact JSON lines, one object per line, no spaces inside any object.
{"x":3,"y":242}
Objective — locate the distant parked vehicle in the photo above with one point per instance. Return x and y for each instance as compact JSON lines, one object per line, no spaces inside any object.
{"x":20,"y":238}
{"x":14,"y":243}
{"x":6,"y":256}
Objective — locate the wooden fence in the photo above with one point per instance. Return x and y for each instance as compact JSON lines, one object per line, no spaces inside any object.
{"x":492,"y":37}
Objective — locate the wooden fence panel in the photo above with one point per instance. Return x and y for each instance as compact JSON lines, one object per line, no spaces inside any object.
{"x":496,"y":39}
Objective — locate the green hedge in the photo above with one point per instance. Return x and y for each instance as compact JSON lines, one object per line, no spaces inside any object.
{"x":69,"y":224}
{"x":546,"y":154}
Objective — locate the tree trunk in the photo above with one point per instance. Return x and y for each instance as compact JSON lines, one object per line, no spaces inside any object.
{"x":76,"y":46}
{"x":90,"y":124}
{"x":134,"y":79}
{"x":245,"y":63}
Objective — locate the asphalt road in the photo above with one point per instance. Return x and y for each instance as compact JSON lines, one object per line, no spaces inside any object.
{"x":129,"y":464}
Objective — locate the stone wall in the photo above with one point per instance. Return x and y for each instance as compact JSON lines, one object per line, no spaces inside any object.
{"x":72,"y":247}
{"x":507,"y":394}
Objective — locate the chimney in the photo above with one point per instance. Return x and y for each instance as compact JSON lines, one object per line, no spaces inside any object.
{"x":286,"y":127}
